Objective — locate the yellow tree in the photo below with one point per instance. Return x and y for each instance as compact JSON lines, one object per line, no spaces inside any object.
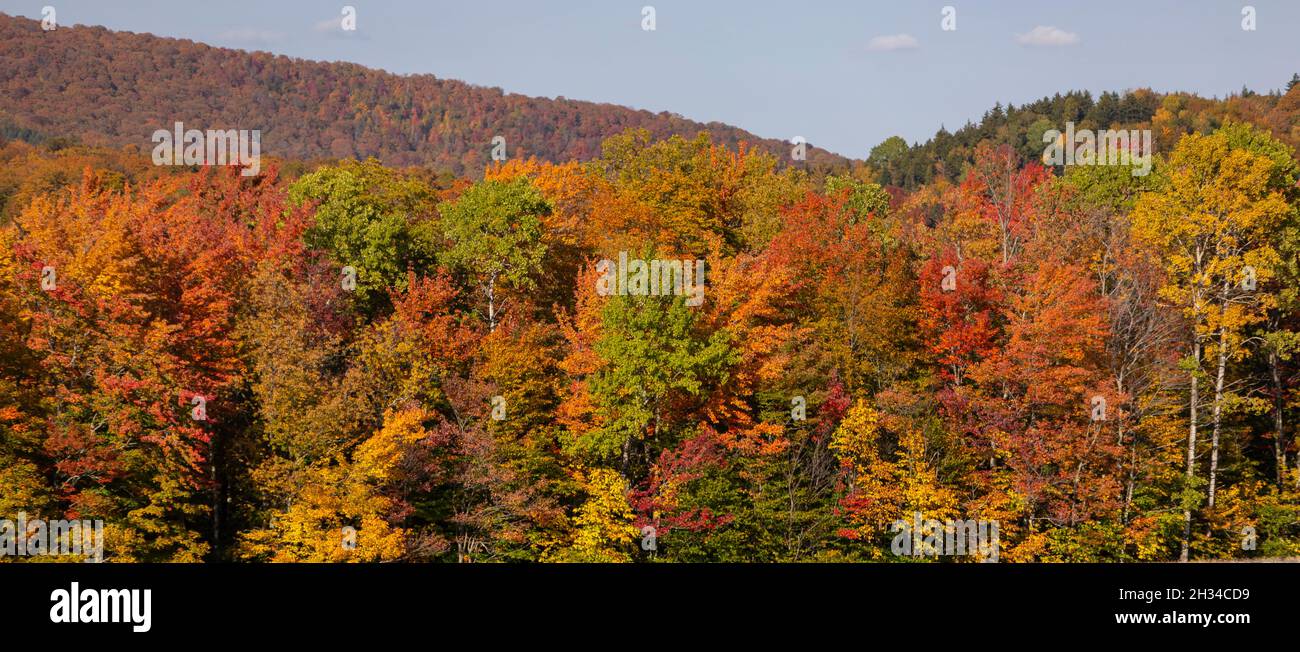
{"x":341,"y":511}
{"x":1211,"y":226}
{"x":882,"y":490}
{"x":603,"y":528}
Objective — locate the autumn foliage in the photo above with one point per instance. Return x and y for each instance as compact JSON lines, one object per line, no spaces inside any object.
{"x":374,"y":363}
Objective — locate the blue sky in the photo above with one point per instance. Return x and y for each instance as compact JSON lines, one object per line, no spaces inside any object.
{"x":843,"y":74}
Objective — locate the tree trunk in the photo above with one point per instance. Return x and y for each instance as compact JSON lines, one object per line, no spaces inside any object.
{"x":217,"y":548}
{"x":1184,"y":554}
{"x":1132,"y":479}
{"x":1279,"y":448}
{"x":1218,"y":410}
{"x":492,"y":303}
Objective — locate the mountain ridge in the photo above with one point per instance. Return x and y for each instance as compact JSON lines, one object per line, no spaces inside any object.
{"x":114,"y":88}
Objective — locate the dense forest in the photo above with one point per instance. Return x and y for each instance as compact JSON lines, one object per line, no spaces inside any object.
{"x":1021,"y":128}
{"x":418,"y":358}
{"x":115,"y":88}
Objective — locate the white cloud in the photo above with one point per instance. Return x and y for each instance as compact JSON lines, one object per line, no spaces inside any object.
{"x":893,"y":42}
{"x":1047,"y":37}
{"x":250,"y":35}
{"x":333,"y":28}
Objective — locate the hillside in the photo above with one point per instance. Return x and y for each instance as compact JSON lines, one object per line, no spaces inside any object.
{"x":1169,"y":116}
{"x":115,"y":88}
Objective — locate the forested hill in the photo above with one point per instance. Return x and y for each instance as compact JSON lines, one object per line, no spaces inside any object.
{"x":1168,"y":116}
{"x":115,"y":88}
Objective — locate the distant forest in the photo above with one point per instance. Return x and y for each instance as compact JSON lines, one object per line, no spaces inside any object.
{"x":1169,"y":116}
{"x":115,"y":88}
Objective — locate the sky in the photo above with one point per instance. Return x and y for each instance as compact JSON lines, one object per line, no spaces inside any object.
{"x":844,"y":75}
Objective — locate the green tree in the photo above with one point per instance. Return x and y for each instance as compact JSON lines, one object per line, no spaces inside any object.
{"x":374,"y":219}
{"x":495,"y":228}
{"x":888,"y":158}
{"x":658,"y":365}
